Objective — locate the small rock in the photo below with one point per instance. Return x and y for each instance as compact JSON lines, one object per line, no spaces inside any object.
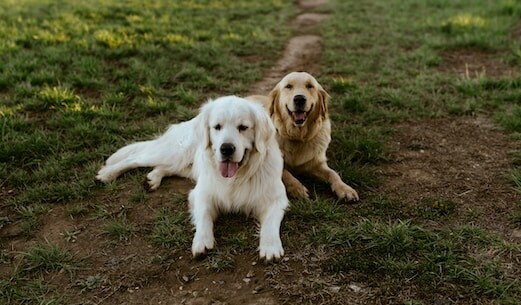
{"x":334,"y":289}
{"x":516,"y":233}
{"x":355,"y":288}
{"x":257,"y":289}
{"x":246,"y":280}
{"x":250,"y":274}
{"x":186,"y":278}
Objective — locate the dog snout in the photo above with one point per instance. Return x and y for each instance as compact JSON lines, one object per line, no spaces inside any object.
{"x":299,"y":100}
{"x":227,"y":149}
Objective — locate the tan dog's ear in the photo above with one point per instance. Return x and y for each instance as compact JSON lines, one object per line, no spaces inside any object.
{"x":274,"y":100}
{"x":323,"y":100}
{"x":264,"y":130}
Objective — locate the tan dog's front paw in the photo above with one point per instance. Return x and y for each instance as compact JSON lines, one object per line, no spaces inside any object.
{"x":298,"y":191}
{"x":344,"y":191}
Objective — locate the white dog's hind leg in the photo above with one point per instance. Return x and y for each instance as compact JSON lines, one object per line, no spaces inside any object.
{"x":270,"y":246}
{"x":203,"y":216}
{"x":126,"y":158}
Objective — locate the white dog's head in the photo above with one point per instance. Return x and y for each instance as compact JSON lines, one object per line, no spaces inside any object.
{"x":233,"y":129}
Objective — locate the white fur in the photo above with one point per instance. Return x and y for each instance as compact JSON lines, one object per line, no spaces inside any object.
{"x":192,"y":149}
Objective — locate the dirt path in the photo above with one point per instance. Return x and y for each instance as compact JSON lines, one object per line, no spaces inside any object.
{"x":302,"y":52}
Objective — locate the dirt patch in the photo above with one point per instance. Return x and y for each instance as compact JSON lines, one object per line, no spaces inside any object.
{"x":309,"y":19}
{"x":471,"y":63}
{"x":310,"y":4}
{"x":464,"y":160}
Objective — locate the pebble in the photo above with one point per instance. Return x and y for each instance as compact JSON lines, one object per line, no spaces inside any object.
{"x":355,"y":288}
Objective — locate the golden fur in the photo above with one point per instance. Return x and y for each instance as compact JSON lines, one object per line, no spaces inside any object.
{"x":298,"y":108}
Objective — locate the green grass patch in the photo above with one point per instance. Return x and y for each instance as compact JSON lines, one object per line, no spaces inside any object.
{"x":44,"y":257}
{"x":403,"y":252}
{"x":171,"y":229}
{"x":120,"y":230}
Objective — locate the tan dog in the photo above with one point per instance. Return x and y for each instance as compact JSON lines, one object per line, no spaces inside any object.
{"x":298,"y":108}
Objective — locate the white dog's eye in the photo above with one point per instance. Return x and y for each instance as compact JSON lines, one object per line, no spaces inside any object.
{"x":242,"y":127}
{"x":217,"y":127}
{"x":289,"y":86}
{"x":309,"y":86}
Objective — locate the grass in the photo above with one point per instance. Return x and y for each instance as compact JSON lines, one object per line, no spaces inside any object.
{"x":48,"y":257}
{"x":404,"y":252}
{"x":79,"y":80}
{"x":170,"y":229}
{"x":120,"y":230}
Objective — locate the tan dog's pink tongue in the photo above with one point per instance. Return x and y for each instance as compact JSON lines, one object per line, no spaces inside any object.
{"x":228,"y":169}
{"x":299,"y":116}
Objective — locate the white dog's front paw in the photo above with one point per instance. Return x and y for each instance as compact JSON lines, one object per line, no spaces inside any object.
{"x":271,"y":251}
{"x":105,"y":174}
{"x":201,"y":244}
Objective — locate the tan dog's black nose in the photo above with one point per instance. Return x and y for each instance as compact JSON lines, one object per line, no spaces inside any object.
{"x":227,"y":149}
{"x":299,"y":101}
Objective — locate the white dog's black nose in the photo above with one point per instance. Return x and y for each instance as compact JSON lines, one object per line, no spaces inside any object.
{"x":227,"y":149}
{"x":299,"y":101}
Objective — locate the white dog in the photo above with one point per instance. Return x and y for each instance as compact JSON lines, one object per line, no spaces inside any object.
{"x":230,"y":150}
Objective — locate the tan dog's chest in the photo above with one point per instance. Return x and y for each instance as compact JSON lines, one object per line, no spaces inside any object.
{"x":301,"y":155}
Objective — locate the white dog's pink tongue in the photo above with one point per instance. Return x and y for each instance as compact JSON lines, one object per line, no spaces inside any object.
{"x":228,"y":169}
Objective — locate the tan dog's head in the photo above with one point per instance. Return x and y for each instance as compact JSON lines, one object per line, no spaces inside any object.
{"x":300,"y":98}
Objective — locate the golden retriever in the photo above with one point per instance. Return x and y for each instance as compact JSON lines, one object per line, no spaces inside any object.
{"x":231,"y":152}
{"x":298,"y":106}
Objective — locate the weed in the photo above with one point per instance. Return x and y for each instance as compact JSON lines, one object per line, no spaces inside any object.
{"x":91,"y":282}
{"x":15,"y":290}
{"x":313,"y":210}
{"x":31,"y":217}
{"x":77,"y":211}
{"x":120,"y":230}
{"x":515,"y":217}
{"x":511,"y":120}
{"x":170,"y":229}
{"x":45,"y":256}
{"x":515,"y":178}
{"x":219,"y":261}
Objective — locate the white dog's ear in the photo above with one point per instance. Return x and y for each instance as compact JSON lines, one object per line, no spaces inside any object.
{"x":203,"y":126}
{"x":264,"y":131}
{"x":323,"y":100}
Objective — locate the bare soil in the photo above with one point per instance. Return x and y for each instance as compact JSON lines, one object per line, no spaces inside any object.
{"x":461,"y":159}
{"x":470,"y":63}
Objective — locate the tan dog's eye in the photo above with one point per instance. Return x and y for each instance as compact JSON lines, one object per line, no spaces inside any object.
{"x":310,"y":86}
{"x":242,"y":127}
{"x":217,"y":127}
{"x":289,"y":86}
